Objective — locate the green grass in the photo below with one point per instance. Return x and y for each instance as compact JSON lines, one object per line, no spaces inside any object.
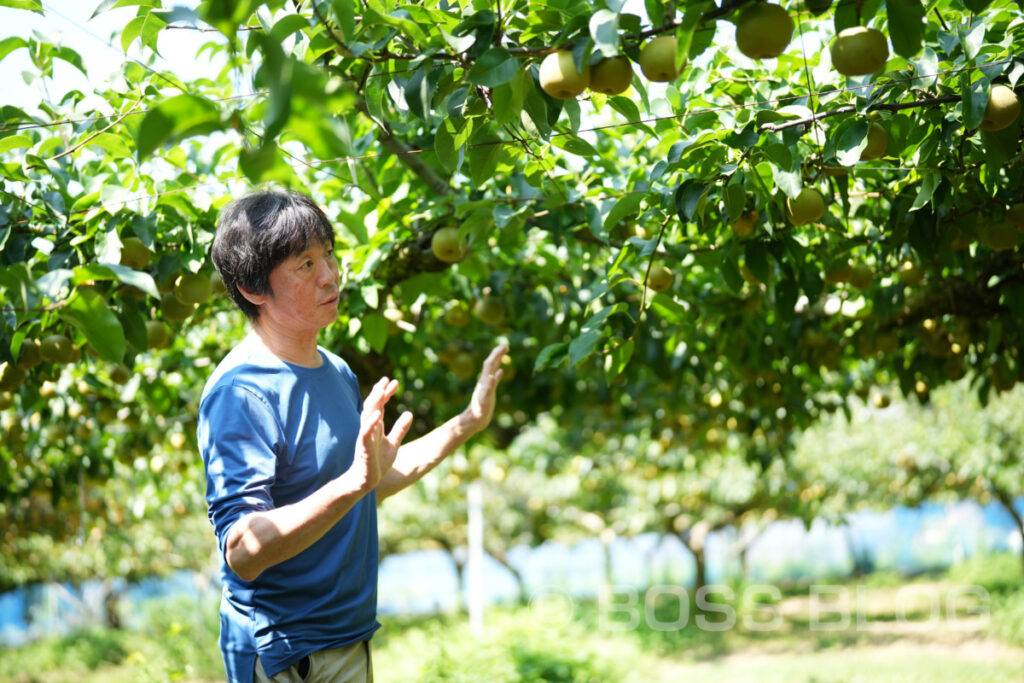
{"x":894,"y":640}
{"x":178,"y":643}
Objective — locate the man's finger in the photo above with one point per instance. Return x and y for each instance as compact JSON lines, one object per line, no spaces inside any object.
{"x":369,"y":419}
{"x":382,"y":392}
{"x":493,"y":360}
{"x":400,"y":428}
{"x":375,"y":391}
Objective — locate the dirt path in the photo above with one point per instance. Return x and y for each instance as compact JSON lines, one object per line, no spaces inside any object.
{"x":920,"y":632}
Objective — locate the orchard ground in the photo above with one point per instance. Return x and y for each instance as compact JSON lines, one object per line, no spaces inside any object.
{"x":882,"y":627}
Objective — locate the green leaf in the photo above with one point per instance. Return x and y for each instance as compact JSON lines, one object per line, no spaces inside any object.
{"x":345,"y":10}
{"x":847,"y":14}
{"x":397,"y":19}
{"x":731,"y":274}
{"x":535,"y":114}
{"x":574,"y":145}
{"x":927,"y":188}
{"x":484,"y":155}
{"x":551,"y":355}
{"x":756,"y":257}
{"x":975,"y":99}
{"x":851,"y":142}
{"x":779,"y":154}
{"x":618,"y":358}
{"x":668,"y":308}
{"x":493,"y":68}
{"x":227,"y":15}
{"x":926,"y":68}
{"x":113,"y":197}
{"x":14,"y":142}
{"x":735,"y":197}
{"x":1000,"y":146}
{"x":418,"y":92}
{"x":684,"y":33}
{"x":590,"y":333}
{"x":507,"y":99}
{"x":8,"y":45}
{"x":444,"y":147}
{"x":88,"y":311}
{"x":688,"y":197}
{"x":604,"y":29}
{"x":625,"y":206}
{"x":115,"y":146}
{"x":790,"y":182}
{"x":977,"y":6}
{"x":458,"y":43}
{"x":292,"y":23}
{"x":52,"y":283}
{"x":375,"y":331}
{"x":582,"y":346}
{"x":786,"y":295}
{"x":31,"y":5}
{"x":131,"y":31}
{"x":908,"y":15}
{"x":810,"y":282}
{"x":71,"y":57}
{"x":973,"y":38}
{"x":174,"y":120}
{"x":107,"y":5}
{"x":655,"y":11}
{"x":115,"y":271}
{"x":145,"y":27}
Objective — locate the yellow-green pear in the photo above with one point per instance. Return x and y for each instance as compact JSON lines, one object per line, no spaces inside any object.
{"x":660,"y":278}
{"x":858,"y":51}
{"x":878,"y":141}
{"x":1002,"y":109}
{"x":447,"y":246}
{"x":658,"y":60}
{"x":763,"y":30}
{"x":807,"y":207}
{"x":611,"y":76}
{"x":560,"y":78}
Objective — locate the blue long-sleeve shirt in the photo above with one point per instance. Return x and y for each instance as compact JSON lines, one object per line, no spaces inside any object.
{"x":270,"y":434}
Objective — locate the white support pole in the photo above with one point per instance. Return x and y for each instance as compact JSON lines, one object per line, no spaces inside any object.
{"x":475,"y":561}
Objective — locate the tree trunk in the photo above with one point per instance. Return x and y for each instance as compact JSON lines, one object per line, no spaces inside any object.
{"x":606,"y":546}
{"x":516,"y":574}
{"x":863,"y":563}
{"x":701,"y":579}
{"x":1006,"y":500}
{"x":459,"y":569}
{"x":111,"y":598}
{"x":697,"y":550}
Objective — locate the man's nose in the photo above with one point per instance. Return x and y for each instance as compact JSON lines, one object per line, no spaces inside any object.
{"x":329,"y":273}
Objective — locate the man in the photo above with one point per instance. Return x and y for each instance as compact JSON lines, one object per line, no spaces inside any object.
{"x":296,"y":462}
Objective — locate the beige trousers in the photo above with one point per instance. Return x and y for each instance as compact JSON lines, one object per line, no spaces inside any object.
{"x":348,"y":664}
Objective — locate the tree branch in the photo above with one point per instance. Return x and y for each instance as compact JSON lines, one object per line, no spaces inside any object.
{"x":408,"y":156}
{"x":86,"y":141}
{"x":847,"y":109}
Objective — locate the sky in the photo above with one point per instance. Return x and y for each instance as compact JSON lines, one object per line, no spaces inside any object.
{"x":68,"y":23}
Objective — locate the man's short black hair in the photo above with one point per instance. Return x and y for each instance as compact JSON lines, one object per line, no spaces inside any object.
{"x":258,"y":232}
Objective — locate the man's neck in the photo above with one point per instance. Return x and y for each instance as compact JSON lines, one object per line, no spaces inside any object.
{"x":289,"y":347}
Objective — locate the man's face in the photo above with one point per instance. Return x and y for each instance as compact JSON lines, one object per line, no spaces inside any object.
{"x":304,"y":290}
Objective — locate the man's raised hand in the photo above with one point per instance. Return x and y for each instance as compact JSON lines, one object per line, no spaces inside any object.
{"x":375,"y":451}
{"x":480,"y":410}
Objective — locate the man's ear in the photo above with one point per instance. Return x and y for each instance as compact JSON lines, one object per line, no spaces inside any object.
{"x":251,"y":297}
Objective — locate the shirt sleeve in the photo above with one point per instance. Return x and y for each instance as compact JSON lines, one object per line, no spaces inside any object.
{"x":240,"y":440}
